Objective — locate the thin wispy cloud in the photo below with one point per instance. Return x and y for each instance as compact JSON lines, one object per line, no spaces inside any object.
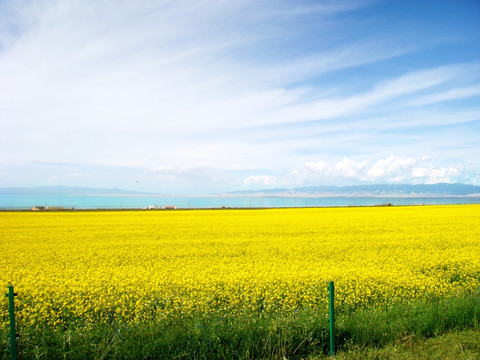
{"x":234,"y":90}
{"x":454,"y":94}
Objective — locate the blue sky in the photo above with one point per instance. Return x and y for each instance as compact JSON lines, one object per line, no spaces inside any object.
{"x":209,"y":96}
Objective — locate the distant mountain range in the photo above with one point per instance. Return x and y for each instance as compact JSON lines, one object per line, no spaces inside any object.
{"x":356,"y":190}
{"x":441,"y":189}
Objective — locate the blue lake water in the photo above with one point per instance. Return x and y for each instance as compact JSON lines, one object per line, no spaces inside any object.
{"x":19,"y":202}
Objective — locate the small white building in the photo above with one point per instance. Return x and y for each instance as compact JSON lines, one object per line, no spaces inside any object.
{"x":150,"y":207}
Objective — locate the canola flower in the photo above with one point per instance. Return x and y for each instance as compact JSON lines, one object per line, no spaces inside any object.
{"x":85,"y":268}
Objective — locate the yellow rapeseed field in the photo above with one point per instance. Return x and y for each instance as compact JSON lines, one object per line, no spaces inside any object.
{"x":81,"y":268}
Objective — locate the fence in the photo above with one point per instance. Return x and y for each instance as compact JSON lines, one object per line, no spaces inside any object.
{"x":13,"y":334}
{"x":451,"y":314}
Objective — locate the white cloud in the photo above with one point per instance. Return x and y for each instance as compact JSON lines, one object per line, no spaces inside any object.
{"x":392,"y":169}
{"x":395,"y":169}
{"x":80,"y":176}
{"x":316,"y":166}
{"x":177,"y":173}
{"x":349,"y":168}
{"x":260,"y":181}
{"x":229,"y":85}
{"x":452,"y":94}
{"x":335,"y":107}
{"x":430,"y":175}
{"x":167,"y":169}
{"x":310,"y":172}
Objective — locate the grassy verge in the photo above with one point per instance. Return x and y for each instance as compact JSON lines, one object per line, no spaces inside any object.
{"x":456,"y":345}
{"x":260,"y":336}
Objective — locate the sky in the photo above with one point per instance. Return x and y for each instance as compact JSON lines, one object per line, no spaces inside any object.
{"x":198,"y":96}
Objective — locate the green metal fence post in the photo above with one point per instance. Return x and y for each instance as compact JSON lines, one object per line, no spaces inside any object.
{"x":331,"y":289}
{"x":13,"y":334}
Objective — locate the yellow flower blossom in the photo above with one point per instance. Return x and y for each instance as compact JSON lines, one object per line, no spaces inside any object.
{"x":133,"y":266}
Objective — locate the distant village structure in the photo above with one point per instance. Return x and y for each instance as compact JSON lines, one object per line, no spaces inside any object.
{"x":59,"y":208}
{"x":150,"y":207}
{"x":53,"y":208}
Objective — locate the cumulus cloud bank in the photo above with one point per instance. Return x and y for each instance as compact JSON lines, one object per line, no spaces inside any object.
{"x":390,"y":170}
